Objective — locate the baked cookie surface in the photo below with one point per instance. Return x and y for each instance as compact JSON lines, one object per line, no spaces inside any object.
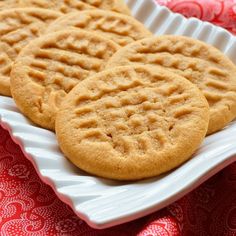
{"x":200,"y":63}
{"x":19,"y":26}
{"x":66,"y":6}
{"x":120,"y":28}
{"x":111,"y":5}
{"x":6,"y":4}
{"x":50,"y":66}
{"x":132,"y":122}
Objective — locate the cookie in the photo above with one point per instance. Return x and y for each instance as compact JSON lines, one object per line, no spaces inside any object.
{"x":120,"y":28}
{"x":132,"y":122}
{"x":50,"y":66}
{"x":202,"y":64}
{"x":66,"y":6}
{"x":18,"y":26}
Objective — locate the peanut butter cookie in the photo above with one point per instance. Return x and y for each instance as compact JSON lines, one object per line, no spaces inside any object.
{"x":132,"y":122}
{"x":18,"y":26}
{"x":50,"y":66}
{"x":200,"y":63}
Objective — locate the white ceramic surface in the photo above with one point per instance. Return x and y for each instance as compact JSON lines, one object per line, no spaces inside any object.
{"x":103,"y":203}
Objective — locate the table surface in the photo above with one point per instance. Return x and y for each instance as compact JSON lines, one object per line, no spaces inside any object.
{"x":30,"y":207}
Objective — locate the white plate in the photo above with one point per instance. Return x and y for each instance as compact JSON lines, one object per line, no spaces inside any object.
{"x":104,"y":203}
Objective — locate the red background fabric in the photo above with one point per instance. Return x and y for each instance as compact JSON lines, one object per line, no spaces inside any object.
{"x":29,"y":207}
{"x":219,"y":12}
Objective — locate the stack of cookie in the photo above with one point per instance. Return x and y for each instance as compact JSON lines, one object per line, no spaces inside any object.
{"x":124,"y":104}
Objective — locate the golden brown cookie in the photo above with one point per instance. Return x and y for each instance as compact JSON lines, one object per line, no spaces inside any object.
{"x":120,"y":28}
{"x":17,"y":27}
{"x":66,"y":6}
{"x":132,"y":122}
{"x":50,"y":66}
{"x":202,"y":64}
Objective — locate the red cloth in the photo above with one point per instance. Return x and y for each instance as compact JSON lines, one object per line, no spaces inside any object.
{"x":219,"y":12}
{"x":29,"y":207}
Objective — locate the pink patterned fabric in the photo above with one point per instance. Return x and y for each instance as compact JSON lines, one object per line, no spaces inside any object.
{"x":29,"y":207}
{"x":219,"y":12}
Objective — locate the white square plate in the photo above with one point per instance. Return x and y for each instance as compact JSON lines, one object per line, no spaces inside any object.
{"x":104,"y":203}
